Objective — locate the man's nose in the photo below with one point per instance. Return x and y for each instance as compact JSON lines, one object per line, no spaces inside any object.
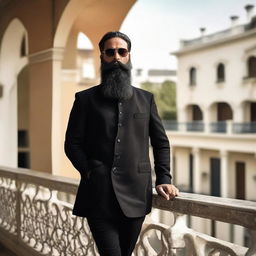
{"x":116,"y":56}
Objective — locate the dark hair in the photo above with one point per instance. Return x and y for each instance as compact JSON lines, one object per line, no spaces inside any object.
{"x":114,"y":34}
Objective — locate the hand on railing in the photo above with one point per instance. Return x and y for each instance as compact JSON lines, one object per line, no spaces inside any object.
{"x":168,"y":191}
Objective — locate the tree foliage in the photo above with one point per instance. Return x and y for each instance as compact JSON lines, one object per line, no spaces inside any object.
{"x":165,"y":97}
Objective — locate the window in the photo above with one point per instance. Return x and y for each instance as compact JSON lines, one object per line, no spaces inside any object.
{"x":22,"y":138}
{"x":220,"y":73}
{"x":23,"y":160}
{"x":23,"y":51}
{"x":138,"y":72}
{"x":192,"y":76}
{"x":85,"y":59}
{"x":251,"y":64}
{"x":197,"y":114}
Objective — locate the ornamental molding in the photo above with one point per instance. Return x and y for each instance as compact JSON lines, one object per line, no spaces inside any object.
{"x":51,"y":54}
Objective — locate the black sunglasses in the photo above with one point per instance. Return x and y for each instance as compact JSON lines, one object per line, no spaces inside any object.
{"x":111,"y":52}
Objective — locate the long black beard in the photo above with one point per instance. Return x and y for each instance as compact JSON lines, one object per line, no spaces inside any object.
{"x":116,"y":80}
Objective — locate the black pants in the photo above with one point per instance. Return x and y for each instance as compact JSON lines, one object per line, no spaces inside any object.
{"x":115,"y":236}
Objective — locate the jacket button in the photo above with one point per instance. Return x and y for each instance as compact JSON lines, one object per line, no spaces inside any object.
{"x":117,"y":156}
{"x":119,"y":124}
{"x":114,"y":169}
{"x":120,"y":112}
{"x":118,"y":140}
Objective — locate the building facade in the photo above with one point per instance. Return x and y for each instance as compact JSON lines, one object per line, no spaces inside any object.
{"x":214,"y":139}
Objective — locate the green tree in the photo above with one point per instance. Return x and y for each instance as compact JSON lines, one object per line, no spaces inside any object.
{"x":165,"y":97}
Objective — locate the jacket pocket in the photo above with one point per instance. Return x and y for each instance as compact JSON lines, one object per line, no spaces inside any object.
{"x":144,"y":167}
{"x":94,"y":163}
{"x":93,"y":166}
{"x":139,"y":115}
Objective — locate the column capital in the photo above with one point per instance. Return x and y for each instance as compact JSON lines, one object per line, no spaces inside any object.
{"x":195,"y":150}
{"x":46,"y":55}
{"x":223,"y":153}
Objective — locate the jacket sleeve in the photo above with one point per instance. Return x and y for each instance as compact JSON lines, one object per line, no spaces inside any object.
{"x":75,"y":136}
{"x":161,"y":146}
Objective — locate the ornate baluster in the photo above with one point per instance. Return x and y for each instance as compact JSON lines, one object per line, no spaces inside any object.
{"x":18,"y":213}
{"x":8,"y":205}
{"x":252,"y":250}
{"x":153,"y":234}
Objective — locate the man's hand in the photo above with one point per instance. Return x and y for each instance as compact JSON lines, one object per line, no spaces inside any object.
{"x":168,"y":191}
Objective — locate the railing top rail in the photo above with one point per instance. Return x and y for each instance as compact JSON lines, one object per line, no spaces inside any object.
{"x":228,"y":210}
{"x":40,"y":178}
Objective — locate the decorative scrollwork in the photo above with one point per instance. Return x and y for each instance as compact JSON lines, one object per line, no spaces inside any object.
{"x":48,"y":226}
{"x":40,"y":217}
{"x":8,"y":205}
{"x":153,"y":241}
{"x":197,"y":245}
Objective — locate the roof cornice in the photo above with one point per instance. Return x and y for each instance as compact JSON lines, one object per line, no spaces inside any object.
{"x":217,"y":42}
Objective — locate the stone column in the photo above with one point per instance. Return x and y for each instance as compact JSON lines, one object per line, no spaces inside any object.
{"x":44,"y":90}
{"x":57,"y":143}
{"x":224,"y":173}
{"x":206,"y":119}
{"x":229,"y":126}
{"x":238,"y":113}
{"x":196,"y":170}
{"x":182,"y":119}
{"x":61,"y":164}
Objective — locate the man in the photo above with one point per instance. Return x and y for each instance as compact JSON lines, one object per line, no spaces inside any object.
{"x":107,"y":140}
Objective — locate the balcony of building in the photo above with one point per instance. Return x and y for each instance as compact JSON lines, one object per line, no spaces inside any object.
{"x":224,"y":127}
{"x":36,"y":219}
{"x":219,"y":118}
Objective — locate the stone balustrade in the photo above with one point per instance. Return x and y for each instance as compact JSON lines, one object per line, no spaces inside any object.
{"x":36,"y":219}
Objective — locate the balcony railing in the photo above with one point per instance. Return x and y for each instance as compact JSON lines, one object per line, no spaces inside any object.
{"x":36,"y":219}
{"x":249,"y":127}
{"x":172,"y":125}
{"x":218,"y":127}
{"x":195,"y":126}
{"x":213,"y":127}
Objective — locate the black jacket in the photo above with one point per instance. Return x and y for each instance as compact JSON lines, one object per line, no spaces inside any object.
{"x":107,"y":141}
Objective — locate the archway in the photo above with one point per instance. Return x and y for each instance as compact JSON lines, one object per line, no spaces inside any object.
{"x":14,"y":47}
{"x":93,"y":18}
{"x":195,"y":118}
{"x":220,"y":113}
{"x":224,"y":111}
{"x":85,"y":60}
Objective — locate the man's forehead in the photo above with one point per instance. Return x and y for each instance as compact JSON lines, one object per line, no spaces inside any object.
{"x":116,"y":41}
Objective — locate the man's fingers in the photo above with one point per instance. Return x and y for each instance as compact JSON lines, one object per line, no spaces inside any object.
{"x":173,"y":191}
{"x":168,"y":191}
{"x":161,"y":191}
{"x":177,"y":191}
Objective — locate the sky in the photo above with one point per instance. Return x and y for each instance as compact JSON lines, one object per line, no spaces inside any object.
{"x":155,"y":27}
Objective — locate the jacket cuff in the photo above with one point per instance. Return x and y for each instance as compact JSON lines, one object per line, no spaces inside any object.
{"x":163,"y":180}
